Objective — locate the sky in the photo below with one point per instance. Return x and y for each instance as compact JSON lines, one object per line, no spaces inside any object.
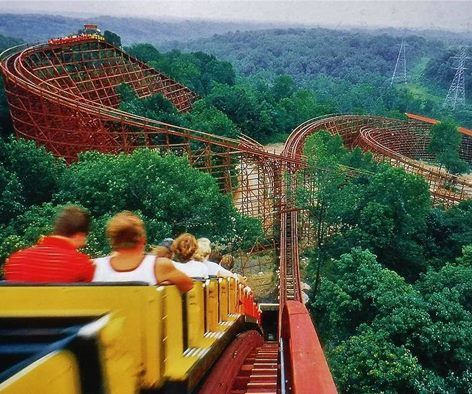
{"x":445,"y":14}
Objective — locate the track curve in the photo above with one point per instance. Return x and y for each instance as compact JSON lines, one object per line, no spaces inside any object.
{"x":64,"y":98}
{"x":399,"y":142}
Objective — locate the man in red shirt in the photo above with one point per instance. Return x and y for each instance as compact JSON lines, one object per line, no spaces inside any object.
{"x":55,"y":258}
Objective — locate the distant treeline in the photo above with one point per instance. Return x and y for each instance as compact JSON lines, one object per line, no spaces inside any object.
{"x":31,"y":27}
{"x":8,"y":42}
{"x":349,"y":70}
{"x":307,"y":53}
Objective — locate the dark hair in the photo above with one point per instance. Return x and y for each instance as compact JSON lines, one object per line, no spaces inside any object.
{"x":215,"y":255}
{"x":72,"y":220}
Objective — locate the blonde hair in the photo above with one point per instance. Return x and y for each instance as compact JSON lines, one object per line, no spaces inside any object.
{"x":184,"y":246}
{"x":125,"y":230}
{"x":204,"y":249}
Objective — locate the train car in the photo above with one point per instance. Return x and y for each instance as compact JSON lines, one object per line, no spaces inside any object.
{"x":89,"y":32}
{"x":110,"y":338}
{"x":73,"y":39}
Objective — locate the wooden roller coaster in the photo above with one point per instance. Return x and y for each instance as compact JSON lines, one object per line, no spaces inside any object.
{"x":126,"y":339}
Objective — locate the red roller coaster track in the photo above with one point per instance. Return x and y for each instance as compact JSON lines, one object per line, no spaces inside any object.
{"x":64,"y":97}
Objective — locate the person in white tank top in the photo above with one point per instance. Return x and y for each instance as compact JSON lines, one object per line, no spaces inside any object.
{"x":144,"y":272}
{"x":128,"y":262}
{"x":184,"y":247}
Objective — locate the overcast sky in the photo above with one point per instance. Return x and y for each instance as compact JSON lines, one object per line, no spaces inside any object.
{"x":445,"y":14}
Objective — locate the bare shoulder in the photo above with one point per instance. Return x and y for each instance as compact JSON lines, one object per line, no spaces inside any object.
{"x":164,"y":263}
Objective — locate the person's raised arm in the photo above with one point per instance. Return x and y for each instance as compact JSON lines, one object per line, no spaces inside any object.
{"x":166,"y":272}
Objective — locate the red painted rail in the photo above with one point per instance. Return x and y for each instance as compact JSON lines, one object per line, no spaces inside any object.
{"x":308,"y":369}
{"x":425,"y":119}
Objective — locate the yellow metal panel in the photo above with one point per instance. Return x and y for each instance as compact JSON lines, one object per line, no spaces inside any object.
{"x":137,"y":306}
{"x":118,"y":359}
{"x":56,"y":373}
{"x":223,"y":299}
{"x":175,"y":363}
{"x":195,"y":315}
{"x":172,"y":325}
{"x":211,"y":290}
{"x":152,"y":346}
{"x":233,"y":295}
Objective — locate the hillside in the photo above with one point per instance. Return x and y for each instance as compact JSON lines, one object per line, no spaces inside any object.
{"x":390,"y":274}
{"x":33,"y":28}
{"x":349,"y":70}
{"x":8,"y":42}
{"x":305,"y":53}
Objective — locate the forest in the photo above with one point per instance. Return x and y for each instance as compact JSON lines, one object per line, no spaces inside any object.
{"x":391,"y":287}
{"x":166,"y":192}
{"x":37,"y":27}
{"x":347,"y":70}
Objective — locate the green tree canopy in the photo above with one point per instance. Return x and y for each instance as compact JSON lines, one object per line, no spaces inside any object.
{"x":170,"y":195}
{"x":374,"y":206}
{"x":11,"y":195}
{"x":383,"y":334}
{"x":37,"y":170}
{"x":112,"y":38}
{"x":448,"y":232}
{"x":208,"y":118}
{"x":445,"y":143}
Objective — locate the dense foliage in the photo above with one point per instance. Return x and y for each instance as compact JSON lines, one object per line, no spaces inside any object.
{"x":383,"y":334}
{"x":307,"y":53}
{"x":264,"y":110}
{"x":373,"y":206}
{"x":8,"y":42}
{"x":390,"y":275}
{"x":112,"y":38}
{"x":445,"y":145}
{"x":329,"y":72}
{"x":165,"y":191}
{"x":441,"y":69}
{"x":348,"y":70}
{"x":269,"y":105}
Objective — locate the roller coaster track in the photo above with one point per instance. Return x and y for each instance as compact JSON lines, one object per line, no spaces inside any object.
{"x":64,"y":97}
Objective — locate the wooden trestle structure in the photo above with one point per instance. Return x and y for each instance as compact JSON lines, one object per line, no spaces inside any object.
{"x":64,"y":97}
